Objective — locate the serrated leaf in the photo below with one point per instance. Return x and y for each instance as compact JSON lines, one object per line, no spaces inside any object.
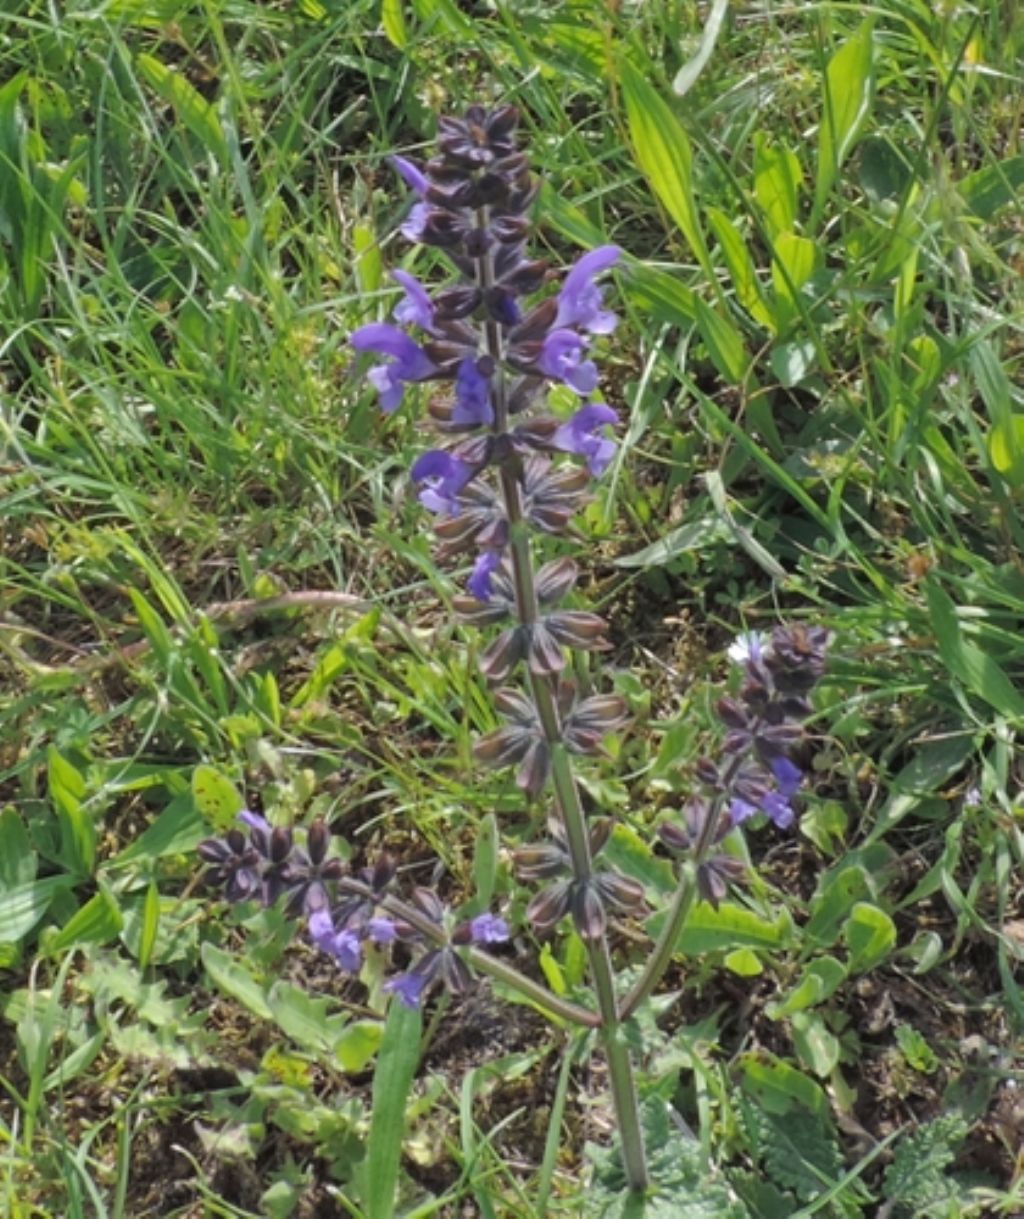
{"x":870,"y":935}
{"x":779,"y":1088}
{"x":728,"y":927}
{"x":234,"y":980}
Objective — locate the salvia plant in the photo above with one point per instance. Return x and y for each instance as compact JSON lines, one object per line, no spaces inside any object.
{"x":507,"y":476}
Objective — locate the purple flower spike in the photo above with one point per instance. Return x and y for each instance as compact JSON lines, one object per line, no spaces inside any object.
{"x":411,"y":175}
{"x":562,"y":357}
{"x":408,"y":987}
{"x":488,"y":929}
{"x":580,"y":436}
{"x":411,"y":363}
{"x":444,"y":476}
{"x":415,"y":308}
{"x":579,"y":302}
{"x":479,"y":582}
{"x":472,"y":396}
{"x":344,"y":946}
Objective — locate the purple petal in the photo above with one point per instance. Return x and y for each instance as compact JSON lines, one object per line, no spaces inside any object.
{"x":254,"y":821}
{"x":344,"y":946}
{"x":408,"y":987}
{"x":390,"y":388}
{"x":579,"y":435}
{"x":788,"y":776}
{"x":488,"y":929}
{"x":411,"y":363}
{"x":741,"y":810}
{"x":479,"y":582}
{"x":381,"y":930}
{"x":445,"y":476}
{"x":779,"y":810}
{"x":412,"y":176}
{"x":415,"y":308}
{"x":413,"y":225}
{"x":580,"y":300}
{"x":561,"y":357}
{"x":472,"y":396}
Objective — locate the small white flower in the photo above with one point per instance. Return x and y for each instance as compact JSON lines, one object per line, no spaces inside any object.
{"x":748,"y":646}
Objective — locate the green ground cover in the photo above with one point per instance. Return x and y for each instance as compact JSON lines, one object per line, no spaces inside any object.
{"x":216,"y":585}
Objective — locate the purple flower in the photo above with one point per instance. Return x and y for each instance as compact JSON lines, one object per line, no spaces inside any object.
{"x":255,"y":822}
{"x":580,"y":436}
{"x":444,"y":476}
{"x":479,"y":582}
{"x":561,"y":357}
{"x":412,"y":176}
{"x":488,"y":929}
{"x":415,"y":308}
{"x":776,"y":805}
{"x":580,"y":300}
{"x":411,"y":363}
{"x":472,"y":396}
{"x":381,"y":930}
{"x":408,"y":987}
{"x":413,"y":225}
{"x":343,"y":945}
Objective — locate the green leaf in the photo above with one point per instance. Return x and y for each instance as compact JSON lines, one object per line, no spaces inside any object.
{"x":150,"y":925}
{"x":24,"y":905}
{"x":741,"y":266}
{"x":916,"y":1050}
{"x":819,"y":980}
{"x":216,"y":797}
{"x":696,"y":536}
{"x":357,"y":1045}
{"x":838,"y":891}
{"x":778,"y":1087}
{"x":1006,"y":449}
{"x":393,"y":20}
{"x":367,"y":263}
{"x":191,"y":108}
{"x":305,"y":1018}
{"x":777,"y":181}
{"x":795,"y":261}
{"x":77,"y":830}
{"x":728,"y":927}
{"x":178,"y":829}
{"x":870,"y":935}
{"x":630,"y":853}
{"x":916,"y":1179}
{"x":792,"y":363}
{"x":971,"y":666}
{"x":662,"y":151}
{"x":987,"y":190}
{"x":743,"y":963}
{"x":919,"y":780}
{"x":724,"y":342}
{"x":817,"y":1048}
{"x":234,"y":980}
{"x":849,"y":87}
{"x":392,"y":1080}
{"x":485,"y":861}
{"x":154,"y":627}
{"x":18,"y":862}
{"x":97,"y":922}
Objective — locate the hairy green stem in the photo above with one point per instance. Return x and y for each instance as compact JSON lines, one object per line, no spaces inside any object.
{"x":683,"y":902}
{"x":567,"y":796}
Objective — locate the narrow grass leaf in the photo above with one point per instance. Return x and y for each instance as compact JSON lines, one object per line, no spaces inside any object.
{"x":740,"y":266}
{"x":971,"y":666}
{"x":688,"y":74}
{"x":77,"y":830}
{"x":189,"y":105}
{"x":778,"y":178}
{"x":392,"y":1080}
{"x":150,"y":924}
{"x":97,"y":922}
